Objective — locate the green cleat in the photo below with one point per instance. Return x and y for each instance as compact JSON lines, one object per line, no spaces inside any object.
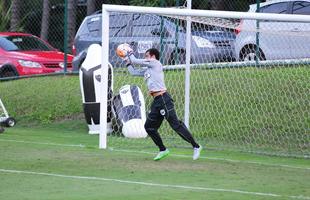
{"x":162,"y":154}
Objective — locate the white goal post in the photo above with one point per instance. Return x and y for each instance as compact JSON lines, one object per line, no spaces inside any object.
{"x":188,"y":13}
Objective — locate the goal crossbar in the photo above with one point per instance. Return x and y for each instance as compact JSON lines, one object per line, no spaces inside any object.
{"x":206,"y":13}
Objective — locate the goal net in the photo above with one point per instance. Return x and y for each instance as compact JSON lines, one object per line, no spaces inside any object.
{"x":240,"y":81}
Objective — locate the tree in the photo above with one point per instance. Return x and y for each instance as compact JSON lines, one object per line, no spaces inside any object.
{"x":16,"y":14}
{"x":72,"y":6}
{"x":5,"y":15}
{"x":45,"y":19}
{"x":91,"y":6}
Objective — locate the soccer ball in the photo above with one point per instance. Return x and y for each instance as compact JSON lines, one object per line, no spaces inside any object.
{"x":123,"y":49}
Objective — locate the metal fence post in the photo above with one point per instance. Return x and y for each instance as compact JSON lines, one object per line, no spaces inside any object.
{"x":66,"y":36}
{"x":257,"y":53}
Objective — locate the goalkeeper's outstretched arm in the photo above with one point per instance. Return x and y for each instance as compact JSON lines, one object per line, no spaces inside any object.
{"x":134,"y":71}
{"x":135,"y":60}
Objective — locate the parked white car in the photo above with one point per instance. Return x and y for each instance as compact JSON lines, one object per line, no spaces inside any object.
{"x":277,"y":40}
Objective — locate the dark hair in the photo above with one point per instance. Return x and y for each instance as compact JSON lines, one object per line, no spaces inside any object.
{"x":154,"y":52}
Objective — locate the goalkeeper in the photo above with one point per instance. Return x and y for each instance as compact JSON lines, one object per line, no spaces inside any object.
{"x":162,"y":105}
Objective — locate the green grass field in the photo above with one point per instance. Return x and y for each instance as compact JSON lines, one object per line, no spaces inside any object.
{"x":262,"y":110}
{"x":49,"y":155}
{"x":61,"y":161}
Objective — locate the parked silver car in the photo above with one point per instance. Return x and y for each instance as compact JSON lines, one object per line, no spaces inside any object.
{"x":277,"y":40}
{"x":143,"y":31}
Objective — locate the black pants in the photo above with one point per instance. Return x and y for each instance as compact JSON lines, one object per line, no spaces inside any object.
{"x":163,"y":107}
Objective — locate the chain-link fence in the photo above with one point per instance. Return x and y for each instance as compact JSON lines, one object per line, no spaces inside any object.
{"x":56,"y":22}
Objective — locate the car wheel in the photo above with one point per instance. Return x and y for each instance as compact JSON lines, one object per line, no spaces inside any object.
{"x":177,"y":57}
{"x":10,"y":122}
{"x":249,"y":54}
{"x":7,"y":72}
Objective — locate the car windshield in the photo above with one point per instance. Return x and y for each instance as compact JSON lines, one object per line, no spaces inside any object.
{"x":23,"y":43}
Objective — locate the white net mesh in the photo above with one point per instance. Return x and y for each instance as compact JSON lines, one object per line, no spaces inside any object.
{"x":255,"y":98}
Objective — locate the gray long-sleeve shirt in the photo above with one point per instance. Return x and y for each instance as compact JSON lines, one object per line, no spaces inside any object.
{"x":153,"y":74}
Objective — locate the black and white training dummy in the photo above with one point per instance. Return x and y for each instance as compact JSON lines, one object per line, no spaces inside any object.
{"x":90,"y":88}
{"x":129,"y":111}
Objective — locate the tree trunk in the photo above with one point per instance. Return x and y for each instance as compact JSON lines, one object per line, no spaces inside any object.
{"x":16,"y":13}
{"x":91,"y":6}
{"x":72,"y":6}
{"x":45,"y":20}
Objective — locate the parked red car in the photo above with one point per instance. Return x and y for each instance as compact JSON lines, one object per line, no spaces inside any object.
{"x":25,"y":54}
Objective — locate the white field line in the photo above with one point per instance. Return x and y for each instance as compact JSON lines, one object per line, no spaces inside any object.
{"x":44,"y":143}
{"x":154,"y":184}
{"x":152,"y":153}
